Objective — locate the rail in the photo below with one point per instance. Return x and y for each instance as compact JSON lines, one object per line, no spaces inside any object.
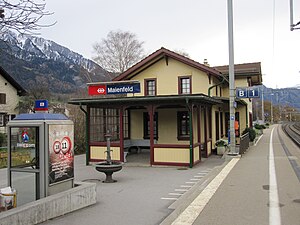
{"x":293,"y":131}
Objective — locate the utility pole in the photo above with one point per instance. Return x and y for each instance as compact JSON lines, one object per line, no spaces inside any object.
{"x":232,"y":150}
{"x":262,"y":105}
{"x":292,"y":25}
{"x":272,"y":108}
{"x":256,"y":111}
{"x":291,"y":15}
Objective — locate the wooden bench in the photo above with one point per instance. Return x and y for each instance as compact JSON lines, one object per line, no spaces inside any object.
{"x":138,"y":144}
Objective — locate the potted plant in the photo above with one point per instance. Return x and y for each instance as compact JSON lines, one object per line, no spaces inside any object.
{"x":252,"y":133}
{"x":221,"y":146}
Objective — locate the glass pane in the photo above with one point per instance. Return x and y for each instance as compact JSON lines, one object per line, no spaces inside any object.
{"x":23,"y":144}
{"x":151,"y":87}
{"x":185,"y":85}
{"x":25,"y":185}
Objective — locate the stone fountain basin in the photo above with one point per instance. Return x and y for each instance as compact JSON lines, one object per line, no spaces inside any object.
{"x":107,"y":167}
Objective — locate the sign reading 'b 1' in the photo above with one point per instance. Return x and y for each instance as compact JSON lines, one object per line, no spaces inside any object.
{"x":247,"y":93}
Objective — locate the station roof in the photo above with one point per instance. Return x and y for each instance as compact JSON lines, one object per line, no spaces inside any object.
{"x":148,"y":100}
{"x":251,"y":70}
{"x":164,"y":53}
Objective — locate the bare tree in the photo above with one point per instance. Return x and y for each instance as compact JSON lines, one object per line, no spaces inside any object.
{"x":22,"y":16}
{"x":182,"y":52}
{"x":118,"y":51}
{"x":78,"y":117}
{"x":37,"y":90}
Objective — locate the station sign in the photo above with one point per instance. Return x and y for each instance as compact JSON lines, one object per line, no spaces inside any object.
{"x":107,"y":89}
{"x":123,"y":89}
{"x":241,"y":93}
{"x":247,"y":93}
{"x":253,"y":93}
{"x":97,"y":90}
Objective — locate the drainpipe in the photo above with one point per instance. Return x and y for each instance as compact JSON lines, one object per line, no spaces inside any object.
{"x":191,"y":133}
{"x":87,"y":153}
{"x":247,"y":122}
{"x":209,"y":89}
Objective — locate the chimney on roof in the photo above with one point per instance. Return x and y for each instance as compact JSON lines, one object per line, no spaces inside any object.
{"x":205,"y":62}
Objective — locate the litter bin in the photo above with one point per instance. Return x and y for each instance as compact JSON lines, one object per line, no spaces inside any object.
{"x":8,"y":198}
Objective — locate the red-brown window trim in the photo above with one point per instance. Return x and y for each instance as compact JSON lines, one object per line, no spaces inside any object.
{"x":181,"y":136}
{"x":147,"y":126}
{"x":179,"y":84}
{"x":103,"y":119}
{"x":146,"y":86}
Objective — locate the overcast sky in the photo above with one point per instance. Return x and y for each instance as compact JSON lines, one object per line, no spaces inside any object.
{"x":198,"y":27}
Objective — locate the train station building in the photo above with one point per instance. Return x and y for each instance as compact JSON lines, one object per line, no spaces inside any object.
{"x":173,"y":105}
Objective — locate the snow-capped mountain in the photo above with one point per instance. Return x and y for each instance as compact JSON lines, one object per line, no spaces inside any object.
{"x":283,"y":96}
{"x":37,"y":57}
{"x":32,"y":46}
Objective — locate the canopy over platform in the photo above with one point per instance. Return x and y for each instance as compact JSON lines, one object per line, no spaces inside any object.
{"x":148,"y":100}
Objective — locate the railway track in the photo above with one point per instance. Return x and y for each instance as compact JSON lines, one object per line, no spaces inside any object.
{"x":293,"y":131}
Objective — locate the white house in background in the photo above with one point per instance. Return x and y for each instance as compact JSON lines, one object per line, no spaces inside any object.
{"x":10,"y":92}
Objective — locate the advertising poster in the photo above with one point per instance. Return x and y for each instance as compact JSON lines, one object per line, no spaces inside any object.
{"x":61,"y":152}
{"x":23,"y":145}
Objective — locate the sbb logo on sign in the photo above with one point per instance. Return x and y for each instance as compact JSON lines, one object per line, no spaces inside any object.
{"x":97,"y":90}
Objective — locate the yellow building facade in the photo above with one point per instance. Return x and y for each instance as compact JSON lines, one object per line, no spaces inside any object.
{"x":179,"y":111}
{"x":10,"y":92}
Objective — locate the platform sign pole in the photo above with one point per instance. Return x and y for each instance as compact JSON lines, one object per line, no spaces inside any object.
{"x":232,"y":150}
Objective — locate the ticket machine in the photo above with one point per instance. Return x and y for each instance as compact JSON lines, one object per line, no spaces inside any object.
{"x":40,"y":155}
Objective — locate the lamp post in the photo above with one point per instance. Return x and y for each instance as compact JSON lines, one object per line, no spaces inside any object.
{"x":272,"y":108}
